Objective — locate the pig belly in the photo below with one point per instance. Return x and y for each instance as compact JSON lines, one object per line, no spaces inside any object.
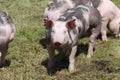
{"x":8,"y":33}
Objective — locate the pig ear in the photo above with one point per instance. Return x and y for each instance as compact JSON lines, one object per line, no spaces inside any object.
{"x":48,"y":23}
{"x":71,"y":24}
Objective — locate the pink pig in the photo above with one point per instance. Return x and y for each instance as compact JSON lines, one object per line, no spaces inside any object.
{"x":68,"y":28}
{"x":7,"y":32}
{"x":110,"y":16}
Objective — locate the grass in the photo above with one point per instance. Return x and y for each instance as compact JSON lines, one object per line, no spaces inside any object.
{"x":27,"y":57}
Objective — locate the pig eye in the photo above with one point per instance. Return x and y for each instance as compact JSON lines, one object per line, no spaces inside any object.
{"x":65,"y":31}
{"x":53,"y":31}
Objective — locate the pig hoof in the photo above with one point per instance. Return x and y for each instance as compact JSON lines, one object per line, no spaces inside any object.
{"x":2,"y":65}
{"x":71,"y":68}
{"x":51,"y":71}
{"x":117,"y":36}
{"x":104,"y":39}
{"x":89,"y":56}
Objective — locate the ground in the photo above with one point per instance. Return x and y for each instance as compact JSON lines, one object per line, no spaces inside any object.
{"x":27,"y":56}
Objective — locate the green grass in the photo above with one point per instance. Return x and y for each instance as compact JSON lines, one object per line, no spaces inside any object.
{"x":28,"y":57}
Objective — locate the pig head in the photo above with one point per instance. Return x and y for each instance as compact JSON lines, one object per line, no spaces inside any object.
{"x":57,"y":31}
{"x":56,"y":8}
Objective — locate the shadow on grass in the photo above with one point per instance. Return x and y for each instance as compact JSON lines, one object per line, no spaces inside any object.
{"x":100,"y":65}
{"x":61,"y":59}
{"x":7,"y":63}
{"x":61,"y":62}
{"x":43,"y":42}
{"x":105,"y":66}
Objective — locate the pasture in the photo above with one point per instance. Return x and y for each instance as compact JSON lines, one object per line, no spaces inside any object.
{"x":27,"y":56}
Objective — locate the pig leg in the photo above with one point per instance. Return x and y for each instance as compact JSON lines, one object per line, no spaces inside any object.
{"x":72,"y":58}
{"x":4,"y":50}
{"x":95,"y":32}
{"x":0,"y":57}
{"x":51,"y":52}
{"x":103,"y":30}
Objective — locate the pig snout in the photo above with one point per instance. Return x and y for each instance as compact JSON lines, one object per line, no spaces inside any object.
{"x":57,"y":41}
{"x":57,"y":44}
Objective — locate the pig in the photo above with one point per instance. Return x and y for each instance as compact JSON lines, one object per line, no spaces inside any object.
{"x":7,"y":32}
{"x":68,"y":28}
{"x":110,"y":16}
{"x":57,"y":7}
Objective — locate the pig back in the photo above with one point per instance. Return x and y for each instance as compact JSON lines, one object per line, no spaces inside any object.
{"x":95,"y":17}
{"x":85,"y":2}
